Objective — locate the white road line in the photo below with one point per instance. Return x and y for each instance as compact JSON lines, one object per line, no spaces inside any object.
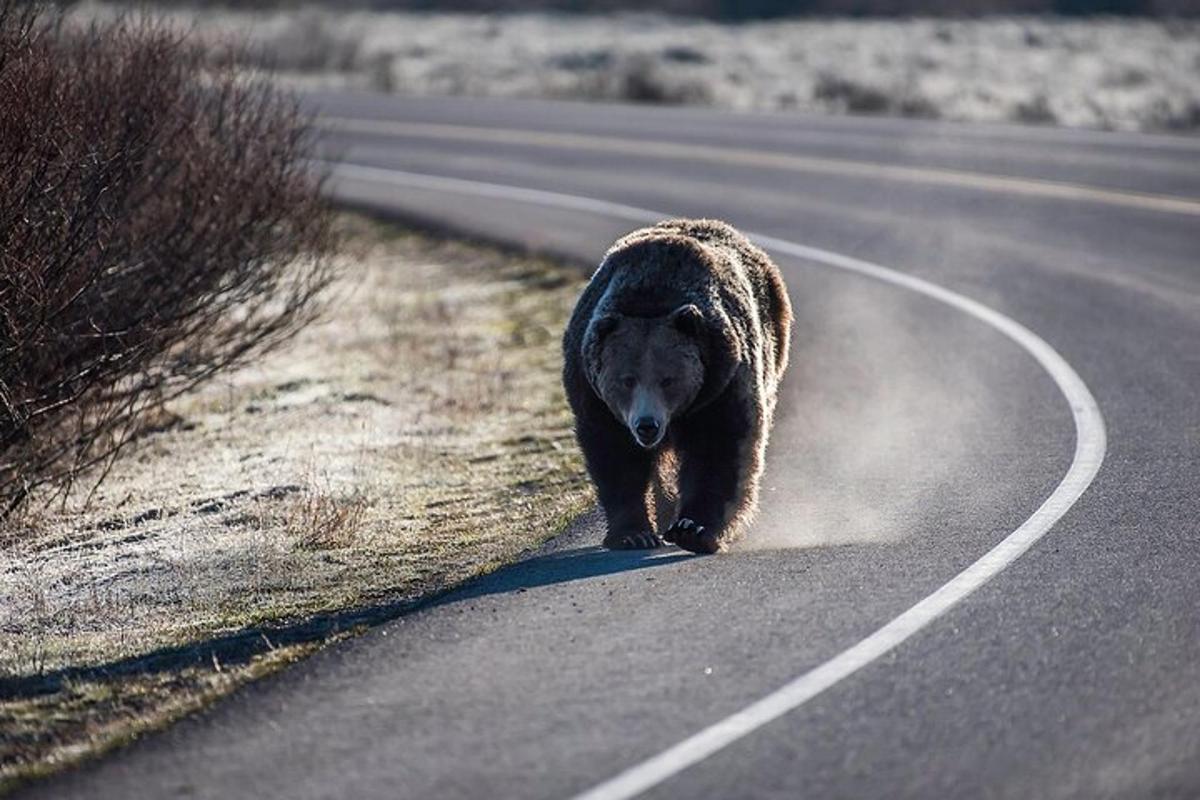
{"x":1090,"y":444}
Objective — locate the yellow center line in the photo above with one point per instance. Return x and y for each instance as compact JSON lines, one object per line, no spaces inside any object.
{"x":933,"y":176}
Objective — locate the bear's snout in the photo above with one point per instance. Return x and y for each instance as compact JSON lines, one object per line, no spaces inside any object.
{"x":647,"y":431}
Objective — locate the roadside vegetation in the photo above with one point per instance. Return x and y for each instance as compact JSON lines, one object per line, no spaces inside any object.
{"x":1123,"y":73}
{"x":165,"y":256}
{"x":414,"y":438}
{"x":158,"y":224}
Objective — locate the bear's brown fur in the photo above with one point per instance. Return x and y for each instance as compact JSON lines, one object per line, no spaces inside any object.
{"x":672,"y":361}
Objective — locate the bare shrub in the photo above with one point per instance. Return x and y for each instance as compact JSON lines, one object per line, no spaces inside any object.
{"x":158,"y":223}
{"x":850,"y":95}
{"x":632,"y":77}
{"x":854,"y":97}
{"x":1035,"y":111}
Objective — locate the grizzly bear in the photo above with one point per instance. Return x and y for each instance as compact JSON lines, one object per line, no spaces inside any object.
{"x":672,"y":360}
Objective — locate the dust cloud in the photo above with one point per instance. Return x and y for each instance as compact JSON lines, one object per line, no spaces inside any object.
{"x":885,"y":409}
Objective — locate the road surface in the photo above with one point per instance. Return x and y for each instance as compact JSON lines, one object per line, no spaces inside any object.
{"x":840,"y":650}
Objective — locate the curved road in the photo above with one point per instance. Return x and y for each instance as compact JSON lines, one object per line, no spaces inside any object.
{"x":913,"y":438}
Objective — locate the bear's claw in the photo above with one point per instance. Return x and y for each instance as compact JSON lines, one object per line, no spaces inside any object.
{"x":687,"y":534}
{"x":633,"y":541}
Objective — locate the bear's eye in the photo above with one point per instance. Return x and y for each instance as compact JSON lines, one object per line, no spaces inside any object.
{"x":628,"y":381}
{"x":666,"y":382}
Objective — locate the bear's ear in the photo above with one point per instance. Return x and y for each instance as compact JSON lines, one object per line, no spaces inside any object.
{"x":688,"y":319}
{"x":604,"y":325}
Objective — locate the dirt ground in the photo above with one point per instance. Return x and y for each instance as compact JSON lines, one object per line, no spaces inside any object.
{"x":415,"y":438}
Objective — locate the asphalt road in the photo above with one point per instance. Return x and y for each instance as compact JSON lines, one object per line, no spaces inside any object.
{"x":912,"y":438}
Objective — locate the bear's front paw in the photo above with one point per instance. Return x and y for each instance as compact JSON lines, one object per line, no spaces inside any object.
{"x":690,"y":536}
{"x":632,"y":541}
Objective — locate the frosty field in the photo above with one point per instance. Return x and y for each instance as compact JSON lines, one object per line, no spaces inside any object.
{"x":1101,"y":73}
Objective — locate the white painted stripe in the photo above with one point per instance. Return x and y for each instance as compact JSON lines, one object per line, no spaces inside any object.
{"x":500,"y":191}
{"x":1090,"y":444}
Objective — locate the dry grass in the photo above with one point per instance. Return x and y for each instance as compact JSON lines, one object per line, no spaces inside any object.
{"x":414,"y":439}
{"x":325,"y":521}
{"x":87,"y":718}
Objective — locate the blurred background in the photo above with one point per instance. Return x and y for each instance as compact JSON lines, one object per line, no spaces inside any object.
{"x":1106,"y":64}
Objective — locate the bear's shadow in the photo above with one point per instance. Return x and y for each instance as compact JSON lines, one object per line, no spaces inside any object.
{"x":564,"y":566}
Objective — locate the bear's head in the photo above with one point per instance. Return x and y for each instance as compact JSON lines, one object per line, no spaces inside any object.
{"x":646,"y":370}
